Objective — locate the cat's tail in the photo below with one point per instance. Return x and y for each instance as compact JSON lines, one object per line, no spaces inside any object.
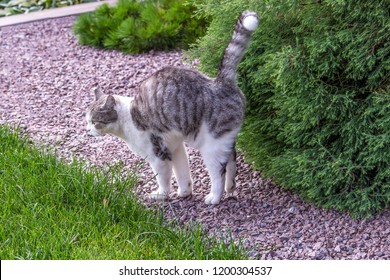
{"x":245,"y":26}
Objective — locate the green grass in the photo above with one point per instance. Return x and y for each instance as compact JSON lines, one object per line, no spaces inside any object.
{"x":50,"y":209}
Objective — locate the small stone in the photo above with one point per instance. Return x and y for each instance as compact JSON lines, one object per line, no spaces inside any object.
{"x":338,"y":239}
{"x":379,"y":254}
{"x":284,"y":238}
{"x":298,"y":235}
{"x":321,"y":254}
{"x":317,"y":245}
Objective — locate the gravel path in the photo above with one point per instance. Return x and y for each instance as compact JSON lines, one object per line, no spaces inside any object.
{"x":45,"y":82}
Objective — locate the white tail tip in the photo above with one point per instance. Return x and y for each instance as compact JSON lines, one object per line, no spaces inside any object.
{"x":250,"y":22}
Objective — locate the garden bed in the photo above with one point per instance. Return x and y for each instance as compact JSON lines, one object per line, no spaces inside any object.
{"x":12,"y":19}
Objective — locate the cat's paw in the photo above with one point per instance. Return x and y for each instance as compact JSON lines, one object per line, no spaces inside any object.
{"x":229,"y":188}
{"x":157,"y":195}
{"x":184,"y":192}
{"x":212,"y":199}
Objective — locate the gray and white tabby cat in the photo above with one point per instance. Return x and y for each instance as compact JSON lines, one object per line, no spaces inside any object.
{"x":177,"y":105}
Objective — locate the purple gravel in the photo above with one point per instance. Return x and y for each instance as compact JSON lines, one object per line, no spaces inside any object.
{"x":45,"y":83}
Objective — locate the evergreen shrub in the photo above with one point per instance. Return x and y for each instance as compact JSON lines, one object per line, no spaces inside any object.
{"x":316,"y":78}
{"x":134,"y":26}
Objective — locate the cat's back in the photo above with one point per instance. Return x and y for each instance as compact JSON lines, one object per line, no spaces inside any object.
{"x":187,"y":83}
{"x":183,"y":79}
{"x":183,"y":98}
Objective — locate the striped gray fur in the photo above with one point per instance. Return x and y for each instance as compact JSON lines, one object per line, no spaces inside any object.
{"x":182,"y":99}
{"x":159,"y":149}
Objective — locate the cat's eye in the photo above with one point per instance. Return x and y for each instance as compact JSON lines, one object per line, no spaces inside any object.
{"x":98,"y":125}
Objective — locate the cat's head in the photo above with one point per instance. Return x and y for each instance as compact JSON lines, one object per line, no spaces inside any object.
{"x":101,"y":114}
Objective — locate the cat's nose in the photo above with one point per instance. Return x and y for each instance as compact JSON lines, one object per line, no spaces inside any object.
{"x":88,"y":131}
{"x":94,"y":133}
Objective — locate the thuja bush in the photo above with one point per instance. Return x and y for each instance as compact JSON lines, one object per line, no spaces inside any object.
{"x":134,"y":26}
{"x":316,"y":78}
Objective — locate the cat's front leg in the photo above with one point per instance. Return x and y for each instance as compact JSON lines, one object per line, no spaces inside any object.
{"x":182,"y":171}
{"x":163,"y":171}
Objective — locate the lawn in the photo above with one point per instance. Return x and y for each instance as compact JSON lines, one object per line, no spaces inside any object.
{"x":51,"y":209}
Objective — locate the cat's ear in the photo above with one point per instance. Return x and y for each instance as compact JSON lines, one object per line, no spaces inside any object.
{"x":110,"y":102}
{"x":98,"y":93}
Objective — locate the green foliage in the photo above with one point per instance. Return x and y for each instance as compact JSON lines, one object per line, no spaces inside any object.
{"x":136,"y":26}
{"x":50,"y":209}
{"x":316,"y":77}
{"x":11,"y":7}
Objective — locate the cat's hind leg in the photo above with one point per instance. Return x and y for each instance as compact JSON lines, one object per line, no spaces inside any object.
{"x":182,"y":171}
{"x":231,"y":170}
{"x":216,"y":156}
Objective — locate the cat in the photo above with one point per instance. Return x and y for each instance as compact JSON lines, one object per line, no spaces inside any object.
{"x":176,"y":105}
